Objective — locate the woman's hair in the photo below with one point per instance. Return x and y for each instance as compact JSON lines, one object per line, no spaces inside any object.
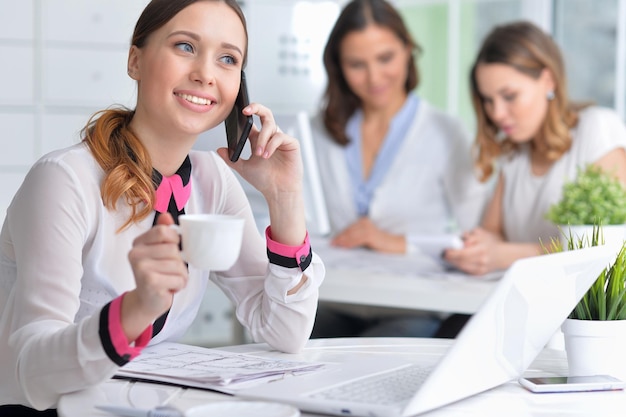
{"x":529,"y":50}
{"x":339,"y":101}
{"x":118,"y":151}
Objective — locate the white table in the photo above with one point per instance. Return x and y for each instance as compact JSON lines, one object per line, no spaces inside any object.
{"x":418,"y":292}
{"x":509,"y":399}
{"x":365,"y":277}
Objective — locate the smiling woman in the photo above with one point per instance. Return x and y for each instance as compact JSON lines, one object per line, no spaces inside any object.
{"x":92,"y":270}
{"x":186,"y":58}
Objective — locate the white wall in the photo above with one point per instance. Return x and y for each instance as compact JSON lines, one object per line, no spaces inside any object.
{"x":67,"y":60}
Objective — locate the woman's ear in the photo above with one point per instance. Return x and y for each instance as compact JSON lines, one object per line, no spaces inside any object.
{"x":548,"y":80}
{"x":409,"y":53}
{"x":133,"y":62}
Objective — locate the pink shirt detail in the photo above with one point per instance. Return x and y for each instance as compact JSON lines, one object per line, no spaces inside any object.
{"x":297,"y":252}
{"x":118,"y":338}
{"x":172,"y":185}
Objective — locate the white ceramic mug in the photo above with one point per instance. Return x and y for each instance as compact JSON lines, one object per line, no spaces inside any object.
{"x":210,"y":241}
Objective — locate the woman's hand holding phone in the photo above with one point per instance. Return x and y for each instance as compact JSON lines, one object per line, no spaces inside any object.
{"x":275,"y":169}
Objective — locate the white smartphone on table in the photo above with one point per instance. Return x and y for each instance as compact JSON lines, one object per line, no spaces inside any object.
{"x":572,"y":383}
{"x":435,"y":245}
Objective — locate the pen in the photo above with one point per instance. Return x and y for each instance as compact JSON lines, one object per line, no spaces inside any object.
{"x":161,"y":411}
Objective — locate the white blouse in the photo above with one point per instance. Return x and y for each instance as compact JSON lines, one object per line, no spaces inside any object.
{"x":429,"y":189}
{"x":62,"y":259}
{"x":528,"y":197}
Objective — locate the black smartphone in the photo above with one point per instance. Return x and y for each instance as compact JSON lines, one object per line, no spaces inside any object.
{"x":237,"y":124}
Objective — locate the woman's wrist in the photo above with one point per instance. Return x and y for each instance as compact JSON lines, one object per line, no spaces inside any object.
{"x":508,"y":252}
{"x":289,"y":256}
{"x":287,"y":218}
{"x":389,"y":243}
{"x":132,"y":320}
{"x":119,"y":346}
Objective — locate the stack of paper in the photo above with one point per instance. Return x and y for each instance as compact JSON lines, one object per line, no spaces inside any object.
{"x":198,"y":367}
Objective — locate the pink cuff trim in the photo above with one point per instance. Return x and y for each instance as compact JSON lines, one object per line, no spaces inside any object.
{"x":120,"y":343}
{"x":297,"y":252}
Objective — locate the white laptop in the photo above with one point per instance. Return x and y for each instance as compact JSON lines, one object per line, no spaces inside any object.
{"x":500,"y":341}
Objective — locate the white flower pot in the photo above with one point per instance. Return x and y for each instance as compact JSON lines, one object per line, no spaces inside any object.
{"x":595,"y":347}
{"x":613,"y":234}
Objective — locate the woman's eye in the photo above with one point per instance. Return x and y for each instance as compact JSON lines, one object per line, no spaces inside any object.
{"x":386,"y":58}
{"x":509,"y":97}
{"x":230,"y":60}
{"x":356,"y":65}
{"x":185,"y":47}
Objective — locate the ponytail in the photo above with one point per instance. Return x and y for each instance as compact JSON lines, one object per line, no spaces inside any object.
{"x":125,"y":161}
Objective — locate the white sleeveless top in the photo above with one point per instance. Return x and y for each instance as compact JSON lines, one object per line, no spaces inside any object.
{"x":528,"y":197}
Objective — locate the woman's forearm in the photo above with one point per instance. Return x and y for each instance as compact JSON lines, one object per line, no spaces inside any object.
{"x":287,"y":218}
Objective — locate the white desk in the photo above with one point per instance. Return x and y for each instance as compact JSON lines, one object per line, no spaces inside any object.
{"x":448,"y":295}
{"x":509,"y":400}
{"x":364,"y":277}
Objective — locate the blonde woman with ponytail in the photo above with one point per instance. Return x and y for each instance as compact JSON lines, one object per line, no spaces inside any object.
{"x":91,"y":272}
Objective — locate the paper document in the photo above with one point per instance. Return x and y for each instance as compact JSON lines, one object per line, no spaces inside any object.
{"x":200,"y":367}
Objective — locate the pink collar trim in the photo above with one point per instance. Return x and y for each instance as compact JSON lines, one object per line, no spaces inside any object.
{"x":172,"y":186}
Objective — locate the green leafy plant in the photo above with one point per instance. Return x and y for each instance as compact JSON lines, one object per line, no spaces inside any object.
{"x":594,"y":197}
{"x":606,"y":298}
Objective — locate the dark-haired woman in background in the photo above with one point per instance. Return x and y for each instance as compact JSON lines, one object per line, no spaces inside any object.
{"x":393,"y":167}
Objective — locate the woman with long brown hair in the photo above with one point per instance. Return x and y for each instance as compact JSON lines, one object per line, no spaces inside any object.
{"x":534,"y":139}
{"x":396,"y":171}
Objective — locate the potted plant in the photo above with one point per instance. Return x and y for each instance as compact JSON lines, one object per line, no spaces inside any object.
{"x":594,"y":197}
{"x":595,"y":331}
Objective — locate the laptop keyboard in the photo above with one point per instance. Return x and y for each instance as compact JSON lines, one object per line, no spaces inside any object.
{"x":388,"y":388}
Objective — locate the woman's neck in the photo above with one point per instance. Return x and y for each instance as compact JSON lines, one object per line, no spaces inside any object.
{"x":167,"y":152}
{"x":383,"y":114}
{"x":374,"y":129}
{"x":540,"y":164}
{"x":168,"y":163}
